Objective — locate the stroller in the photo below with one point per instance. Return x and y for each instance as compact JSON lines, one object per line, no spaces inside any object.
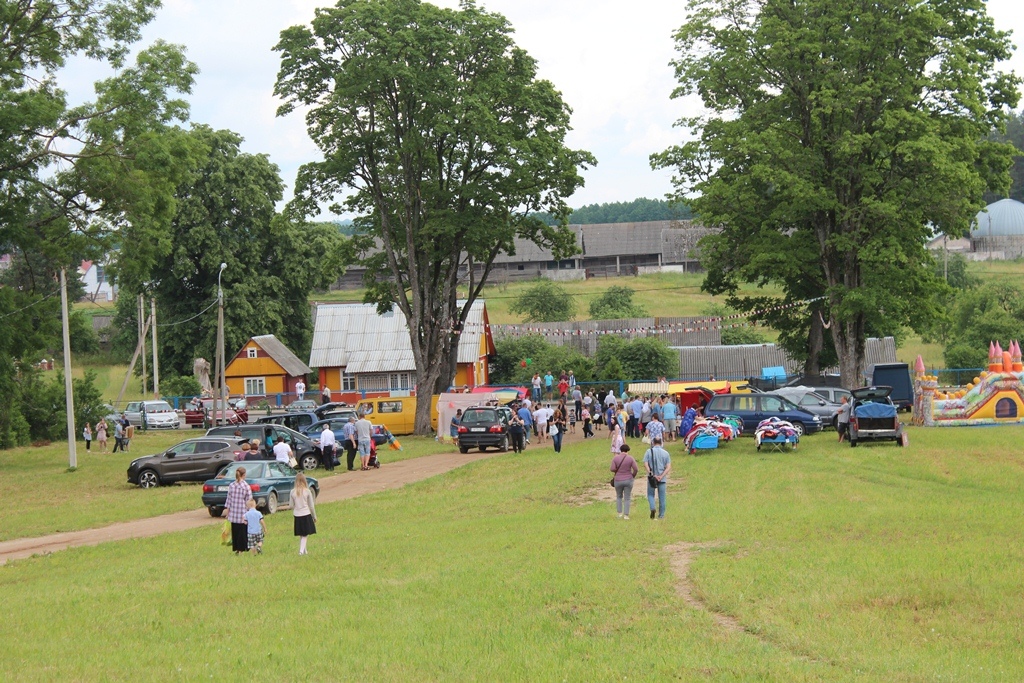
{"x":373,"y":461}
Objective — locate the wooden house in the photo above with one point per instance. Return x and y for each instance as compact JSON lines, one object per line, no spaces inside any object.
{"x":264,"y":367}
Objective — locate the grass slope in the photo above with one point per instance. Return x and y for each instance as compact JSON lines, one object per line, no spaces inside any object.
{"x":97,"y":493}
{"x":866,"y":564}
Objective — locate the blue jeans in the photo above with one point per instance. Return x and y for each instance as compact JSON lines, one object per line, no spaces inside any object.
{"x":557,"y":440}
{"x":661,"y":497}
{"x":536,"y":394}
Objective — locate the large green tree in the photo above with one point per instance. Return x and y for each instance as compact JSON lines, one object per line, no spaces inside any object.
{"x":226,"y":214}
{"x":432,"y":123}
{"x":844,"y":127}
{"x":78,"y":180}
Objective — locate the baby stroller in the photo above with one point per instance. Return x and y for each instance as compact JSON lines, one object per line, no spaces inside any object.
{"x":373,"y":461}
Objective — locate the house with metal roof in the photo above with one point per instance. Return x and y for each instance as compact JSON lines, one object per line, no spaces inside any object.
{"x":264,"y":367}
{"x":361,"y":354}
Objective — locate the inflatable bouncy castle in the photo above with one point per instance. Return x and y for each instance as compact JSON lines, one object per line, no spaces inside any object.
{"x":995,"y":397}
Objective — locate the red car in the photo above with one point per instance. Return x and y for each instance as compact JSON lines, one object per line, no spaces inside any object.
{"x":200,"y":412}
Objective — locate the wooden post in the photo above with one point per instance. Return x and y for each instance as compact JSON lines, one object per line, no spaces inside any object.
{"x":156,"y":363}
{"x":69,"y":399}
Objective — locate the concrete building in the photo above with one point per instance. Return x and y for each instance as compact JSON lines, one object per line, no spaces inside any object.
{"x":998,"y":231}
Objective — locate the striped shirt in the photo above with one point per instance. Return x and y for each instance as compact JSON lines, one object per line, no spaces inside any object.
{"x":238,"y":494}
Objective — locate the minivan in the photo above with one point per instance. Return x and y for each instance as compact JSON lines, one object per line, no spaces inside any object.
{"x":753,"y":408}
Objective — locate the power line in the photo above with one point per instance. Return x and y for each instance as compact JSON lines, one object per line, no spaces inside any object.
{"x":34,"y":303}
{"x":182,"y":322}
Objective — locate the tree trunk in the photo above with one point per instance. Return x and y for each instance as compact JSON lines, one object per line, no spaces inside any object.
{"x":849,"y":340}
{"x":815,"y":343}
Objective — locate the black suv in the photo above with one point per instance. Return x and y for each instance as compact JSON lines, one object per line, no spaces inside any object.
{"x":307,"y":453}
{"x":193,"y":460}
{"x":484,"y":426}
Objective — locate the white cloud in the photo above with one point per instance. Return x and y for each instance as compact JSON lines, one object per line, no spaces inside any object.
{"x":609,"y":59}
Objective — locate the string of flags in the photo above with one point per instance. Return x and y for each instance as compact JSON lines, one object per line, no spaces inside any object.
{"x":689,"y":326}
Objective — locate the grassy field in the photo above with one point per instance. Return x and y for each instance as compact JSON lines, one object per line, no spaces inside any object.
{"x":97,"y":493}
{"x":837,"y":564}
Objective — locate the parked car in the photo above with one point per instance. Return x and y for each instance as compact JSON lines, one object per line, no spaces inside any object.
{"x":398,"y":413}
{"x":484,"y":426}
{"x":814,"y":402}
{"x":296,"y":421}
{"x":873,"y":417}
{"x":339,"y":414}
{"x":159,"y":414}
{"x":191,"y":460}
{"x":302,"y":405}
{"x":380,"y":434}
{"x":897,"y":377}
{"x":832,"y":394}
{"x":307,"y":453}
{"x":271,"y":482}
{"x":199,"y":412}
{"x":752,"y":408}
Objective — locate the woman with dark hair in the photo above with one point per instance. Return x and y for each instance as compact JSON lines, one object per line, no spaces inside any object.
{"x":239,"y":494}
{"x":558,"y":427}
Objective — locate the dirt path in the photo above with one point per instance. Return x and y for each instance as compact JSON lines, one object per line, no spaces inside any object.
{"x":340,"y":487}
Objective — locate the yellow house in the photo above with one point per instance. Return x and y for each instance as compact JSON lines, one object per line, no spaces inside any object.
{"x":264,"y":367}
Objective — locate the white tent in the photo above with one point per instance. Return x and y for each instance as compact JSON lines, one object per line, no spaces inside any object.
{"x":448,"y":404}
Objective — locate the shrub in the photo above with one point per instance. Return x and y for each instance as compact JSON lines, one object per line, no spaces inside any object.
{"x":616,"y":302}
{"x":181,"y":385}
{"x":545,"y":302}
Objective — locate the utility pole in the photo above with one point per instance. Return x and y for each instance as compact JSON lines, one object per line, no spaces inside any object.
{"x":69,"y":399}
{"x":222,"y":377}
{"x":142,"y":336}
{"x":156,"y":363}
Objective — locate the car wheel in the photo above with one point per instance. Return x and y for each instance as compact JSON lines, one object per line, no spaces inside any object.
{"x":798,"y":427}
{"x":463,"y":449}
{"x":309,"y":462}
{"x":148,"y":479}
{"x":504,"y":445}
{"x":272,"y":503}
{"x":215,"y":511}
{"x":483,"y":448}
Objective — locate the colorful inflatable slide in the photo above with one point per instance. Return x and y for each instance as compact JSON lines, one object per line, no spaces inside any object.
{"x":995,"y":397}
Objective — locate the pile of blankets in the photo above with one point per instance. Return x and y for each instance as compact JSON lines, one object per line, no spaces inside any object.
{"x":773,"y":428}
{"x":701,"y":429}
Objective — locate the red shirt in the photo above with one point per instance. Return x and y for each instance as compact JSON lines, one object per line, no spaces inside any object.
{"x":563,"y":387}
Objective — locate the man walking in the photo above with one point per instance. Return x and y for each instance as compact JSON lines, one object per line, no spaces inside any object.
{"x":670,"y":411}
{"x":577,"y":399}
{"x":659,"y":465}
{"x":636,"y":410}
{"x":536,"y":387}
{"x":348,"y":438}
{"x":300,"y":390}
{"x":549,"y":380}
{"x":364,"y":433}
{"x":526,"y":415}
{"x":118,"y":436}
{"x":325,"y":395}
{"x":655,"y":429}
{"x":327,"y":441}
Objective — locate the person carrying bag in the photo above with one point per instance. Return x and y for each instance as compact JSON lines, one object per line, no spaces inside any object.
{"x":625,"y":469}
{"x":659,"y":465}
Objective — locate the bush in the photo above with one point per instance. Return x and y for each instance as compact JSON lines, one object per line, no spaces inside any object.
{"x":513,"y":352}
{"x":733,"y":336}
{"x":643,"y":358}
{"x":545,"y":302}
{"x":615,"y":303}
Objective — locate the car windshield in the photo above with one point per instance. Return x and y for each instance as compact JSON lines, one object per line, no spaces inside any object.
{"x":158,"y":407}
{"x":479,"y":415}
{"x":252,"y":470}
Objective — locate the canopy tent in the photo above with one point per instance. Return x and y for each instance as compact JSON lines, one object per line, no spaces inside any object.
{"x":449,"y":404}
{"x":505,"y":394}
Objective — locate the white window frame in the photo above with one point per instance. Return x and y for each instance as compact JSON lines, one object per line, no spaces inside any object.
{"x":253,"y":352}
{"x":256,"y":383}
{"x":348,"y":382}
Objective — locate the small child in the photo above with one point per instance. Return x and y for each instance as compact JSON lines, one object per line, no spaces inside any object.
{"x":572,"y":421}
{"x":256,"y":529}
{"x":588,"y":427}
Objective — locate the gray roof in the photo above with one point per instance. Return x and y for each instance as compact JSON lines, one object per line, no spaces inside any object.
{"x":748,"y":360}
{"x":1004,"y":218}
{"x":282,"y":355}
{"x":354,"y":337}
{"x":584,"y":335}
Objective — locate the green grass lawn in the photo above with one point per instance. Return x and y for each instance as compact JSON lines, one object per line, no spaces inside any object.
{"x":97,"y":493}
{"x":839,"y":564}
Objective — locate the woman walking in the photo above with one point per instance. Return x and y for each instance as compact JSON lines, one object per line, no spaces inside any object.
{"x":101,"y":435}
{"x":517,"y":430}
{"x":625,"y":469}
{"x":239,"y":495}
{"x":87,"y":435}
{"x":304,"y":510}
{"x":558,"y":428}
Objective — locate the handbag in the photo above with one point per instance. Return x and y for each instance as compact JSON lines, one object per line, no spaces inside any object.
{"x":612,"y":482}
{"x":646,"y":440}
{"x":554,"y":430}
{"x":292,"y":462}
{"x":225,"y":533}
{"x":652,"y":480}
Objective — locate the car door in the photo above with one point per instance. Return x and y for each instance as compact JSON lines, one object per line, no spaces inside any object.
{"x":177,"y":461}
{"x":282,"y":478}
{"x":209,"y":457}
{"x":772,"y":406}
{"x":744,"y":406}
{"x":132,"y":412}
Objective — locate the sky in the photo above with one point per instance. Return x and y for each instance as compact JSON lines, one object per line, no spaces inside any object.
{"x":610,"y":59}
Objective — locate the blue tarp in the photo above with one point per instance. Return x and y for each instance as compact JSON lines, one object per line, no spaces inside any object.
{"x":871,"y":410}
{"x":775,"y":372}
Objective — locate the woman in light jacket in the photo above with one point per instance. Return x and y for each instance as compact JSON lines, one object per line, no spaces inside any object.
{"x":304,"y":510}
